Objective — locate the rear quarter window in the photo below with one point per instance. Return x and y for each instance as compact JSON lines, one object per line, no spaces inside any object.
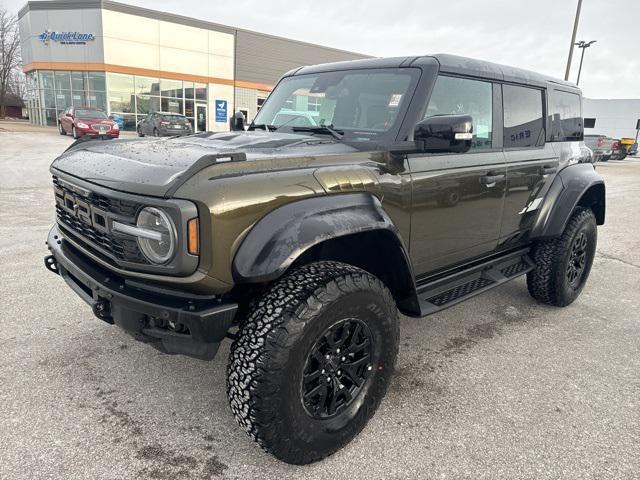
{"x":565,"y":116}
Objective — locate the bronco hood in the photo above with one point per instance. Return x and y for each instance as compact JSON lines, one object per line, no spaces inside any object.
{"x":157,"y":167}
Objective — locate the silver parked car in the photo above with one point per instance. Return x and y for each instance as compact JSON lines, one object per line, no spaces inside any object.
{"x":600,"y":145}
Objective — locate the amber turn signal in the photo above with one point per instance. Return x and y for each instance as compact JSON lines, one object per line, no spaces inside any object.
{"x":193,"y":237}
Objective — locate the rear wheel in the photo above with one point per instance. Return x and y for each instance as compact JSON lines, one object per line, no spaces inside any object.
{"x":563,"y":264}
{"x":155,"y":132}
{"x":140,"y":134}
{"x":313,"y":360}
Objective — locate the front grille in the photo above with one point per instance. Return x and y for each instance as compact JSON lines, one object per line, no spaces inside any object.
{"x":83,"y":216}
{"x":108,"y":204}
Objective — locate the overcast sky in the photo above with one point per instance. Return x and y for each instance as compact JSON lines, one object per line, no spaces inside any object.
{"x":533,"y":34}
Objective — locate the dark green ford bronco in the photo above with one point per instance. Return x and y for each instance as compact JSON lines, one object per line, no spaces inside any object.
{"x":361,"y":189}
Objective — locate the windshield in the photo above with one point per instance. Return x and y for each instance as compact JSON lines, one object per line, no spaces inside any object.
{"x":90,"y":114}
{"x":364,"y":104}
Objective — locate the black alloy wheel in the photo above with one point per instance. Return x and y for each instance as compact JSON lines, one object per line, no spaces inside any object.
{"x":313,"y":360}
{"x":562,"y":264}
{"x":336,"y":368}
{"x":578,"y":259}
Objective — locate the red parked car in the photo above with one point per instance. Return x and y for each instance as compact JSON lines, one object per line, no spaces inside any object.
{"x":82,"y":121}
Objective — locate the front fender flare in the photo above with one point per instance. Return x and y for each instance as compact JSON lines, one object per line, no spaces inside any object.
{"x":284,"y":234}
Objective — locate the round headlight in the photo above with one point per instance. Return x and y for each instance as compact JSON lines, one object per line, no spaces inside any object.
{"x":158,"y":248}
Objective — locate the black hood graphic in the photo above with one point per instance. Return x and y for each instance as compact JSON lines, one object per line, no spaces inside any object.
{"x":155,"y":166}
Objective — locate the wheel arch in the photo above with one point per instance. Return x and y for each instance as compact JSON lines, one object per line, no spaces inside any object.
{"x":577,"y":185}
{"x":350,"y":228}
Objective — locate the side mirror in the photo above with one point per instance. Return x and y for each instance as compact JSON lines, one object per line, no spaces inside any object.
{"x":237,"y":122}
{"x":444,"y":133}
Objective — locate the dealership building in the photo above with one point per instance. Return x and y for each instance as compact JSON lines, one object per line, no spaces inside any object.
{"x":130,"y":61}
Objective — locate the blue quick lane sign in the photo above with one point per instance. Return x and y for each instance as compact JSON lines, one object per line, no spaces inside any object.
{"x":221,"y":111}
{"x":66,"y":38}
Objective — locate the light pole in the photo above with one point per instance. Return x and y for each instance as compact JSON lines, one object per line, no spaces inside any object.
{"x":573,"y":40}
{"x":583,"y":45}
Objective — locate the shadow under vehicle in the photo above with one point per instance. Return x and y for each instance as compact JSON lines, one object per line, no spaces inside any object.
{"x":424,"y":181}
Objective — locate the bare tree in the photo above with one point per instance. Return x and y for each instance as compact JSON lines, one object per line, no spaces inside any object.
{"x":9,"y":53}
{"x":18,"y":84}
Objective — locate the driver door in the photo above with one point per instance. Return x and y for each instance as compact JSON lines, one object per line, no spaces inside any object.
{"x":457,"y":199}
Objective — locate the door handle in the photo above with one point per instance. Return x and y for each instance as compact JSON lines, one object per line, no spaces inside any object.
{"x":491,"y":178}
{"x":547,"y":169}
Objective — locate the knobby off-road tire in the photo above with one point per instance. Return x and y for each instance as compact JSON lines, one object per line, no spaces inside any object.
{"x":292,"y":325}
{"x":563,"y":264}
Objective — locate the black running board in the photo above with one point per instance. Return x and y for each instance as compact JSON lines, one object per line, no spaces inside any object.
{"x":454,"y":288}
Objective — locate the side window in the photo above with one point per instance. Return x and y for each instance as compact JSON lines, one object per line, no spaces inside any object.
{"x":523,"y":122}
{"x":565,"y":116}
{"x":461,"y":96}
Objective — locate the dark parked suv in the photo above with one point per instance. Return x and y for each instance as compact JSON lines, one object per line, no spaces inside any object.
{"x":163,"y":124}
{"x":423,"y":182}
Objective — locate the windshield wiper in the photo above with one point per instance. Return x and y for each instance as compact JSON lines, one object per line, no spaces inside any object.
{"x":263,"y":126}
{"x":326,"y":129}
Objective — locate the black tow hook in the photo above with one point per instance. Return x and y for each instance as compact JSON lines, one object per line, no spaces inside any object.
{"x":51,"y":264}
{"x":102,"y":310}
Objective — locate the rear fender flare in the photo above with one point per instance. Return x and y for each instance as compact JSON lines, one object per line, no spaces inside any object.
{"x":575,"y":185}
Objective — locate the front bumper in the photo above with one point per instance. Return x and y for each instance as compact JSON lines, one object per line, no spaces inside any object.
{"x":94,"y":134}
{"x":171,"y":322}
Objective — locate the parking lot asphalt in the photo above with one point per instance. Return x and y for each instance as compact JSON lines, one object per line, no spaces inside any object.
{"x":496,"y":387}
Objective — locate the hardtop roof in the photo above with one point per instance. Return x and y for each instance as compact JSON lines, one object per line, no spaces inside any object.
{"x":447,"y":63}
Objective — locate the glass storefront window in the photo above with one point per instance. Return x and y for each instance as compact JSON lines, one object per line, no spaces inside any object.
{"x":121,"y":102}
{"x":63,"y":99}
{"x":48,"y":99}
{"x":78,"y":81}
{"x":143,"y":103}
{"x":188,"y":109}
{"x":46,"y":80}
{"x":63,"y":81}
{"x":201,"y":91}
{"x":128,"y":97}
{"x":125,"y":121}
{"x":171,"y":88}
{"x":189,"y":90}
{"x":78,"y":98}
{"x":51,"y":118}
{"x":147,"y":86}
{"x":173,"y":105}
{"x":121,"y":93}
{"x":97,"y":82}
{"x":120,"y":83}
{"x":97,"y":100}
{"x":147,"y":104}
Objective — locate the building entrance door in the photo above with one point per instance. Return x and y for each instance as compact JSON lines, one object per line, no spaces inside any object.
{"x":201,"y":118}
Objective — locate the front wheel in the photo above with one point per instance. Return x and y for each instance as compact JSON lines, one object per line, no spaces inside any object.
{"x":74,"y":132}
{"x":313,"y":360}
{"x":562,"y":265}
{"x":61,"y":129}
